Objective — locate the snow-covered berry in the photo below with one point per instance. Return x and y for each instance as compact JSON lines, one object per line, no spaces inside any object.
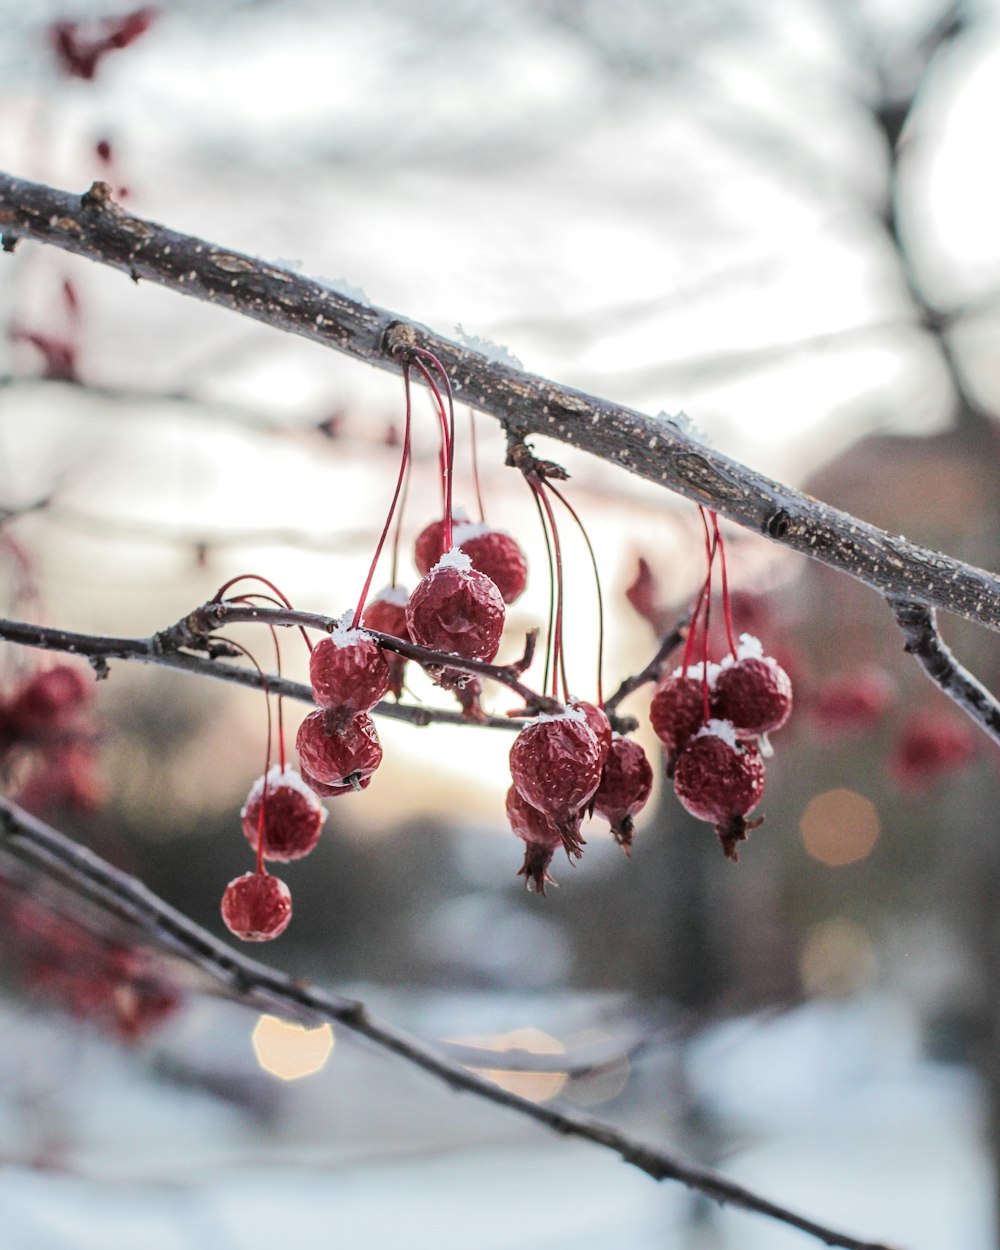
{"x":753,"y":692}
{"x":386,"y":612}
{"x":626,"y":784}
{"x":456,"y":609}
{"x":540,"y":836}
{"x":721,"y":780}
{"x":598,"y":721}
{"x":256,"y":907}
{"x":555,"y":764}
{"x":335,"y":756}
{"x":292,"y":815}
{"x":497,"y":555}
{"x":677,"y":710}
{"x":348,"y":672}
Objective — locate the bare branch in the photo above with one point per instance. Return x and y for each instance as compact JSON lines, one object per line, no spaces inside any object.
{"x":155,"y":650}
{"x":659,"y":450}
{"x":925,"y":642}
{"x":263,"y":988}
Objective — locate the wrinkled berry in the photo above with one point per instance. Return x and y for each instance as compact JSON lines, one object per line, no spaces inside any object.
{"x":626,"y":784}
{"x":293,"y":816}
{"x":456,"y":609}
{"x":720,"y":780}
{"x":256,"y":907}
{"x":540,"y":836}
{"x":348,"y":672}
{"x":555,"y":764}
{"x":334,"y":757}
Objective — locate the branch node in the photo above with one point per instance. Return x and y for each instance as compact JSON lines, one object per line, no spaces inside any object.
{"x":98,"y":198}
{"x":398,"y":339}
{"x":778,"y":524}
{"x":101,"y":667}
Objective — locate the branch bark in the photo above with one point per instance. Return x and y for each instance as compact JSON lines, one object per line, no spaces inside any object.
{"x":266,"y":989}
{"x":657,"y":449}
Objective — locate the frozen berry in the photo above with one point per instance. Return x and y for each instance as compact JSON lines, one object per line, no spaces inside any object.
{"x":677,"y":710}
{"x":335,"y":756}
{"x":387,"y":613}
{"x":429,"y":547}
{"x":497,"y":555}
{"x":348,"y":672}
{"x":752,"y":692}
{"x":626,"y":784}
{"x":256,"y":907}
{"x":540,"y":836}
{"x":598,"y":721}
{"x":327,"y":791}
{"x":292,"y":815}
{"x":555,"y":764}
{"x":456,"y":609}
{"x":721,"y":780}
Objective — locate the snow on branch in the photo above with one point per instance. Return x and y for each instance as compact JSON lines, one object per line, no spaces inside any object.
{"x":657,"y":449}
{"x":264,"y":988}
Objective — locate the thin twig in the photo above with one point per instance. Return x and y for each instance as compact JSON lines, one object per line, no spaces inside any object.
{"x":260,"y":987}
{"x":653,"y":671}
{"x":923,"y":641}
{"x":658,"y":449}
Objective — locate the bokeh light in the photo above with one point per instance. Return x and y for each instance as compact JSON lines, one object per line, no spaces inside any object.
{"x":535,"y":1086}
{"x":840,"y":827}
{"x":837,"y":958}
{"x":291,"y":1051}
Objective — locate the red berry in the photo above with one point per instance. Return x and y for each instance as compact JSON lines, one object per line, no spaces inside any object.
{"x":293,"y":816}
{"x":387,"y":613}
{"x":327,"y":791}
{"x":540,"y":836}
{"x":334,"y":756}
{"x":598,"y":721}
{"x":256,"y":907}
{"x":851,"y":702}
{"x":348,"y":672}
{"x":497,"y":555}
{"x":720,"y":780}
{"x":677,"y":710}
{"x":555,"y":763}
{"x":429,"y":547}
{"x":456,"y":609}
{"x":626,"y":784}
{"x":48,"y":700}
{"x":753,"y":692}
{"x":927,"y":750}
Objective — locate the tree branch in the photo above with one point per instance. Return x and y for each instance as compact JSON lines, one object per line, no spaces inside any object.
{"x":657,"y":449}
{"x":263,"y":988}
{"x":925,"y":643}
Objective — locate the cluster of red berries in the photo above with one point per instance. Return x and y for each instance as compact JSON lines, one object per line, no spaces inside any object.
{"x":123,"y":989}
{"x":48,"y":740}
{"x":564,"y":766}
{"x":712,"y":719}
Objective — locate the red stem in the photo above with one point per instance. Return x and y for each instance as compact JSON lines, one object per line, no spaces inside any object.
{"x":597,"y":582}
{"x":727,"y":610}
{"x":552,"y":583}
{"x":256,"y":577}
{"x":448,"y":427}
{"x":558,"y":654}
{"x":261,"y":870}
{"x":400,"y":478}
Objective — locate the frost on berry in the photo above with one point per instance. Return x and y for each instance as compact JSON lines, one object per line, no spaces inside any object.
{"x":292,"y":814}
{"x":752,"y":692}
{"x":928,"y":749}
{"x":721,"y":780}
{"x":555,"y":764}
{"x":497,"y":555}
{"x":339,"y":755}
{"x":677,"y":710}
{"x":256,"y":907}
{"x":456,"y":609}
{"x":429,"y":546}
{"x":598,"y":721}
{"x":626,"y":784}
{"x":387,"y":613}
{"x":348,"y":673}
{"x":540,"y":836}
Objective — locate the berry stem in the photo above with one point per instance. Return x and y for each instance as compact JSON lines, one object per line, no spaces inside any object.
{"x":552,"y":582}
{"x":256,"y":577}
{"x":727,"y":608}
{"x":558,"y":654}
{"x":261,"y":870}
{"x":257,"y":598}
{"x":597,"y":583}
{"x":473,"y":443}
{"x":404,"y":461}
{"x":447,"y":424}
